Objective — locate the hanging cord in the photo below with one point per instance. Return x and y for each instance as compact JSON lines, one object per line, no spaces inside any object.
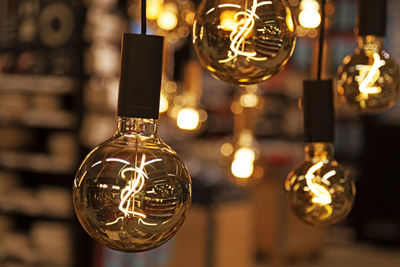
{"x":321,"y":40}
{"x":143,"y":17}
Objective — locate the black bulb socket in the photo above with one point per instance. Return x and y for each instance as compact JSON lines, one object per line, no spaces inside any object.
{"x":372,"y":17}
{"x":140,"y":76}
{"x":319,"y":114}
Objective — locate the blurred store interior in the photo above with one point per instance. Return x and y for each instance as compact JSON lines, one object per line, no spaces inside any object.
{"x":59,"y":67}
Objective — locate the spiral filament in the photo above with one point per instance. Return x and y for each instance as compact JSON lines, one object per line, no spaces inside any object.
{"x":242,"y":26}
{"x":134,"y":186}
{"x":369,"y":75}
{"x":321,"y":195}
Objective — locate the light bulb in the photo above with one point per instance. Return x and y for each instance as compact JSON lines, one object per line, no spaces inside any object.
{"x":243,"y":41}
{"x":132,"y":192}
{"x":188,"y":118}
{"x":245,"y":168}
{"x":309,"y":16}
{"x":369,"y":79}
{"x":319,"y":191}
{"x":243,"y":163}
{"x":168,"y":19}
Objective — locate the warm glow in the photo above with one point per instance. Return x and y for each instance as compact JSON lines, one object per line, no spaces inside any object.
{"x":321,"y":194}
{"x":289,"y":20}
{"x":243,"y":163}
{"x":153,"y":9}
{"x":309,"y":5}
{"x":135,"y":185}
{"x":226,"y":149}
{"x":242,"y":28}
{"x":309,"y":18}
{"x":369,"y":75}
{"x":188,"y":119}
{"x":167,"y":20}
{"x":227,"y":18}
{"x":249,"y":100}
{"x":163,"y":103}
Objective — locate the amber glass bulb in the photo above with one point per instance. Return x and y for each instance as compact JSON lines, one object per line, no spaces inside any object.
{"x":132,"y":192}
{"x":243,"y":41}
{"x":319,"y":191}
{"x":369,"y":79}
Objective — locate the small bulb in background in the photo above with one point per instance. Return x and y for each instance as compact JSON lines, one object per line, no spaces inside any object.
{"x":369,"y":79}
{"x":243,"y":41}
{"x":309,"y":16}
{"x":319,"y":191}
{"x":243,"y":158}
{"x":168,"y":17}
{"x":188,"y":119}
{"x":186,"y":112}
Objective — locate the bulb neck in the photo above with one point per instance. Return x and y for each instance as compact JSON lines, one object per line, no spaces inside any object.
{"x":370,"y":44}
{"x":137,"y":126}
{"x":319,"y":152}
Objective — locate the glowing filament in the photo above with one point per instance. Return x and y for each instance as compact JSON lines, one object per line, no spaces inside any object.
{"x":321,"y":195}
{"x":241,"y":26}
{"x":369,"y":75}
{"x":134,"y":186}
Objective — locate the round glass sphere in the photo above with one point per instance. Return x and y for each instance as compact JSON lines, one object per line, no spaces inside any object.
{"x":369,"y":79}
{"x":243,"y":41}
{"x":320,"y":193}
{"x":132,"y":192}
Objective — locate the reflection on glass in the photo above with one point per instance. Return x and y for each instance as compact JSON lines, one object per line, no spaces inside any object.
{"x":369,"y":79}
{"x":243,"y":41}
{"x":132,"y":192}
{"x":319,"y":191}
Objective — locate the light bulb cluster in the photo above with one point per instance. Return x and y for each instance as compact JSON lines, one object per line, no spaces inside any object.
{"x":243,"y":42}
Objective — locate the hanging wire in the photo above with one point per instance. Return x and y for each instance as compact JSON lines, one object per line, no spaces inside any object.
{"x":143,"y":17}
{"x":321,"y":40}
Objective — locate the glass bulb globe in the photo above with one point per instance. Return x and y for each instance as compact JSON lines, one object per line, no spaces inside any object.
{"x":369,"y":79}
{"x":243,"y":41}
{"x":132,"y":192}
{"x":319,"y":191}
